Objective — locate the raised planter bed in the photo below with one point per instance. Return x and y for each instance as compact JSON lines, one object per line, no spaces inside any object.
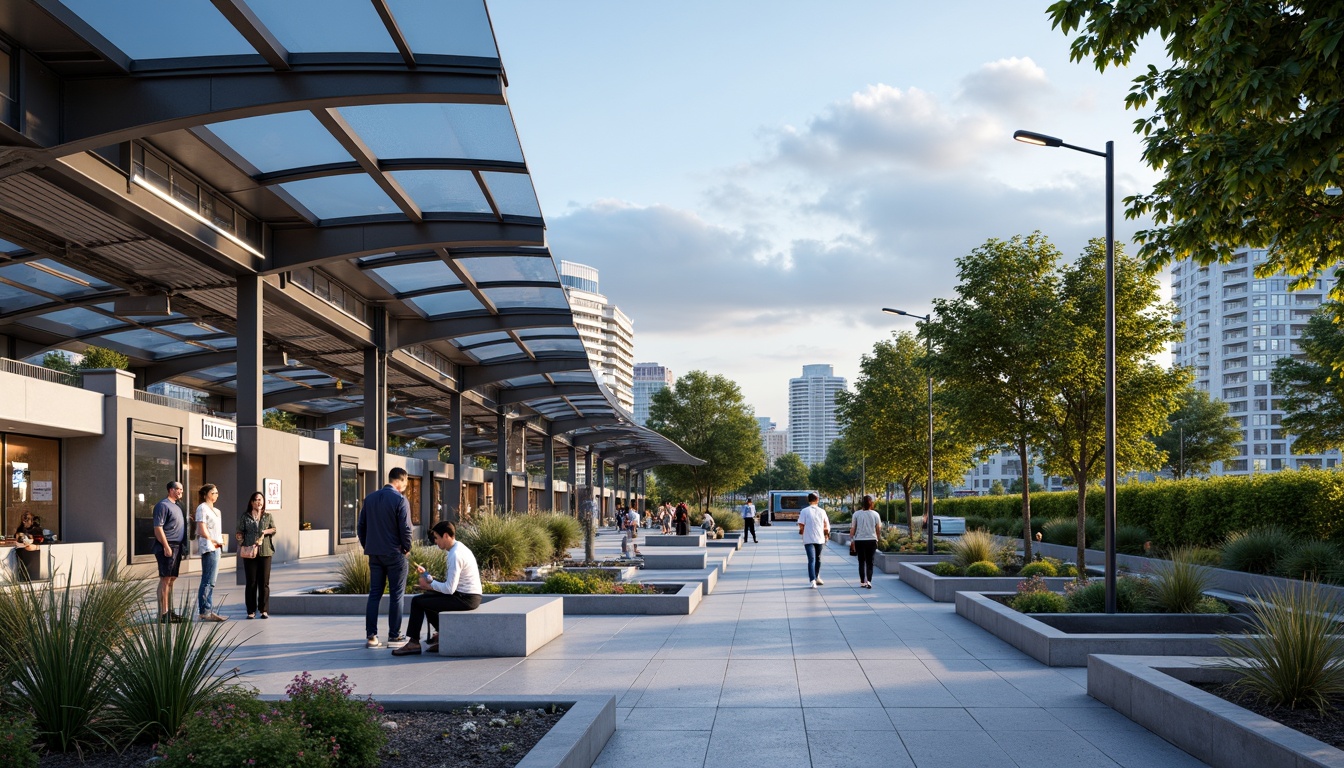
{"x":616,"y":572}
{"x":943,"y":589}
{"x":681,"y":599}
{"x":1067,"y":639}
{"x":1154,"y":692}
{"x":887,"y":562}
{"x":673,"y":540}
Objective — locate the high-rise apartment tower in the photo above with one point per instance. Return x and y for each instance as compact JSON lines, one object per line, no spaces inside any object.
{"x":812,"y":425}
{"x":607,"y":333}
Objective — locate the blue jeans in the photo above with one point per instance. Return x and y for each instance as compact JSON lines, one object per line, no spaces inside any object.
{"x":205,"y":594}
{"x":813,"y":560}
{"x":389,"y":571}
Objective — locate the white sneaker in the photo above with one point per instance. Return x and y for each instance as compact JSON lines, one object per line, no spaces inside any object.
{"x":812,"y":584}
{"x":820,"y":582}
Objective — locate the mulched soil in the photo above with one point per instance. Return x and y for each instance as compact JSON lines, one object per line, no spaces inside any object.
{"x":1328,"y":727}
{"x":419,"y":740}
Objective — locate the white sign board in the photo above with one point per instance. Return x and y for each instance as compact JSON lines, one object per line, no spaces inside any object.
{"x":271,"y":489}
{"x":42,"y":490}
{"x":219,"y":431}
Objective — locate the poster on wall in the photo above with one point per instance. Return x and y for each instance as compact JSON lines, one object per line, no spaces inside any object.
{"x":271,"y":488}
{"x":42,"y":490}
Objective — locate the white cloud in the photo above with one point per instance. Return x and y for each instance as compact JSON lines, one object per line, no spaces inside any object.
{"x":1014,"y":85}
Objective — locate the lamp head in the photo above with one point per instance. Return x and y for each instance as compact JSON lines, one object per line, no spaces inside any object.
{"x":1039,"y":139}
{"x":891,"y":311}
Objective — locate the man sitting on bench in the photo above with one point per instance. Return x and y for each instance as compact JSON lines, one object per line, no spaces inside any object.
{"x":460,"y":589}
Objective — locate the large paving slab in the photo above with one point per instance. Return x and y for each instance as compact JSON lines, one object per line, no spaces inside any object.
{"x":766,"y":669}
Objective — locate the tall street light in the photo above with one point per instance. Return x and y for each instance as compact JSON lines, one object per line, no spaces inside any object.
{"x":928,"y":489}
{"x":1040,"y":139}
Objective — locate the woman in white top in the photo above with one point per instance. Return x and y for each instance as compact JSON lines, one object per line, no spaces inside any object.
{"x":866,"y":527}
{"x":209,"y":545}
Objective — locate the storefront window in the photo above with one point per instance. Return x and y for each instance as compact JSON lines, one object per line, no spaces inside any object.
{"x":413,"y":498}
{"x":33,"y":465}
{"x":350,"y":499}
{"x":155,"y":465}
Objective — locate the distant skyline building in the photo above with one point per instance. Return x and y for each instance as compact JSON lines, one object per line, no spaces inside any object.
{"x":812,"y":424}
{"x":649,"y":378}
{"x":1236,"y":327}
{"x":773,"y":440}
{"x":607,"y":333}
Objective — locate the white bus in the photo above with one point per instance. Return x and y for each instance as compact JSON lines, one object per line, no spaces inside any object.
{"x":785,"y":505}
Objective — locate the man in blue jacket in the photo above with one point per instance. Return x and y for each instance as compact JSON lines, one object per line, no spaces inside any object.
{"x":385,"y":535}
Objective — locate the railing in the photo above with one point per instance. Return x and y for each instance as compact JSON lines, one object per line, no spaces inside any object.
{"x":20,"y":368}
{"x":180,"y":404}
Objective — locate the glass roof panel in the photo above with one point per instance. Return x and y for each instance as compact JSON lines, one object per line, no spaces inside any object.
{"x":155,"y":29}
{"x":489,"y":269}
{"x":448,"y":27}
{"x":533,"y":333}
{"x":190,"y":330}
{"x":555,"y":345}
{"x":225,"y":343}
{"x":459,"y":131}
{"x":523,"y":381}
{"x":312,"y":26}
{"x":154,"y":345}
{"x":403,"y":278}
{"x":8,"y":247}
{"x":74,"y":321}
{"x":336,"y":197}
{"x":448,"y":191}
{"x":496,"y":351}
{"x":281,"y":141}
{"x":573,"y":377}
{"x":446,"y":303}
{"x":513,"y":193}
{"x":480,"y":338}
{"x":50,"y":277}
{"x":14,"y":299}
{"x":218,"y":373}
{"x":549,"y":298}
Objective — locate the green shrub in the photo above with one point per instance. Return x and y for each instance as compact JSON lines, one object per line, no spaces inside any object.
{"x":591,"y":583}
{"x":428,"y":556}
{"x":972,"y":547}
{"x":1131,"y":596}
{"x":498,"y":543}
{"x":1204,"y":556}
{"x":982,"y":568}
{"x":976,"y":523}
{"x":565,"y":531}
{"x":945,"y":569}
{"x":1257,"y":550}
{"x":230,"y":735}
{"x":1297,"y":657}
{"x":352,"y":725}
{"x":1095,"y":532}
{"x":1061,"y":532}
{"x":1038,"y":568}
{"x":1178,"y":584}
{"x":1309,"y":560}
{"x":16,"y":739}
{"x":353,"y":572}
{"x":564,"y":583}
{"x":729,"y":520}
{"x":1211,"y":605}
{"x":540,"y":549}
{"x":1039,"y":602}
{"x":1066,"y":569}
{"x":1129,"y":539}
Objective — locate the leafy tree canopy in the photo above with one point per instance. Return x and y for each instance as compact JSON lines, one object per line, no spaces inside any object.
{"x":1313,"y":388}
{"x":1244,"y":124}
{"x":707,"y":416}
{"x":1199,"y":433}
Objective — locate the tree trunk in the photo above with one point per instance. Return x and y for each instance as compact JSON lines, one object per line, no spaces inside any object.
{"x":1081,"y":484}
{"x":1026,"y":501}
{"x":909,"y":506}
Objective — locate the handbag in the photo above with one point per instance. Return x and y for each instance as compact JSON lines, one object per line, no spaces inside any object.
{"x":853,"y":550}
{"x":248,"y":552}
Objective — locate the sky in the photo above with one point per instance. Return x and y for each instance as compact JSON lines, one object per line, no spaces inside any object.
{"x":756,"y":180}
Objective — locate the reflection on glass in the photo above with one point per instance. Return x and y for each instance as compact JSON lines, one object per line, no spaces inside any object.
{"x":309,"y":26}
{"x":154,"y":465}
{"x":154,"y":29}
{"x":513,"y":193}
{"x":350,"y":500}
{"x":443,"y":191}
{"x":459,"y":131}
{"x":338,"y":197}
{"x":281,"y":141}
{"x":489,"y":269}
{"x":446,"y":27}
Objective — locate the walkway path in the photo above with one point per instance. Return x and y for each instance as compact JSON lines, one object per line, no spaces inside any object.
{"x":766,"y":672}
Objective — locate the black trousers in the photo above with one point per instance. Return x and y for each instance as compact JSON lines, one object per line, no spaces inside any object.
{"x":749,"y":528}
{"x":865,"y":549}
{"x":257,"y":595}
{"x":431,"y":604}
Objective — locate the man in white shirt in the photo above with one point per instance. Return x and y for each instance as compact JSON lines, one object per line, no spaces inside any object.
{"x":815,"y":528}
{"x":460,"y":589}
{"x":631,"y":536}
{"x":749,"y":522}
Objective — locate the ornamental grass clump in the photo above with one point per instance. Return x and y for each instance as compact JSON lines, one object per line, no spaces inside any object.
{"x":973,"y":547}
{"x":1130,"y":539}
{"x":1063,"y":532}
{"x":1177,"y":585}
{"x":565,"y":532}
{"x":1311,"y":560}
{"x":1258,"y":550}
{"x":352,"y":570}
{"x":427,"y":556}
{"x":498,"y":543}
{"x":1296,"y":659}
{"x":540,"y":548}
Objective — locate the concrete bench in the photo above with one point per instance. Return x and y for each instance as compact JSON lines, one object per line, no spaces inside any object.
{"x":678,"y":560}
{"x":508,"y":625}
{"x":673,"y":540}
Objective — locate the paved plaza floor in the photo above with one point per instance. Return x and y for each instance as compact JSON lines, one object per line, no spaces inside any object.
{"x":765,"y":673}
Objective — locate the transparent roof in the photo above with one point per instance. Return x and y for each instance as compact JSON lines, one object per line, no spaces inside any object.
{"x":555,"y":345}
{"x":155,"y":29}
{"x":445,"y":191}
{"x":446,"y":303}
{"x":496,"y":351}
{"x":510,"y":298}
{"x":458,"y":131}
{"x":513,"y":193}
{"x":13,"y":299}
{"x":50,"y":277}
{"x":151,"y":345}
{"x":404,"y":278}
{"x":319,"y":26}
{"x":491,"y":269}
{"x":338,"y":197}
{"x":448,"y":27}
{"x":75,"y":321}
{"x":466,"y":342}
{"x":281,"y":141}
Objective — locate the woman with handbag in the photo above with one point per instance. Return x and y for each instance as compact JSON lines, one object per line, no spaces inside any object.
{"x":256,"y":528}
{"x":865,"y":530}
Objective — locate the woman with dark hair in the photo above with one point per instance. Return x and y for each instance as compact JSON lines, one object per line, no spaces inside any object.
{"x":682,"y":518}
{"x":256,"y":528}
{"x":210,"y":546}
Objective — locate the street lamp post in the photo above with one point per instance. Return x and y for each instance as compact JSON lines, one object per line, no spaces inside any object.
{"x":928,"y":489}
{"x":1039,"y":139}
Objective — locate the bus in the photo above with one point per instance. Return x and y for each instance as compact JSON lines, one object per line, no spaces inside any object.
{"x":785,"y":505}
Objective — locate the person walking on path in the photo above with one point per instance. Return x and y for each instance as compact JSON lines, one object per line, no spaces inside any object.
{"x":749,"y":522}
{"x":631,"y":537}
{"x":256,"y":528}
{"x":460,"y":589}
{"x":815,"y":528}
{"x":385,"y":535}
{"x":682,"y":518}
{"x":866,"y":528}
{"x":170,"y":543}
{"x":209,"y":545}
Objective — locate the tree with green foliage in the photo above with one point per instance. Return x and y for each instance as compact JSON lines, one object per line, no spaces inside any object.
{"x":1312,"y":387}
{"x":1072,"y":433}
{"x":1244,"y":124}
{"x":1015,"y":487}
{"x":988,"y":342}
{"x":996,"y":489}
{"x":839,"y":475}
{"x":885,"y":418}
{"x":93,"y":358}
{"x":1199,"y":433}
{"x":278,"y":420}
{"x":789,"y":473}
{"x":707,"y":416}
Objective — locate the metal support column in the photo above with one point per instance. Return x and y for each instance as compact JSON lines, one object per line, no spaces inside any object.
{"x":249,"y":407}
{"x":601,"y":487}
{"x":375,"y":393}
{"x":503,"y":483}
{"x":571,"y":500}
{"x":548,"y":466}
{"x":452,"y":503}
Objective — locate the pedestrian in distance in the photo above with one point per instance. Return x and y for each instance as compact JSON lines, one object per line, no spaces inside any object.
{"x":256,"y":528}
{"x":170,"y":544}
{"x":385,"y":534}
{"x":210,"y":547}
{"x":749,"y":522}
{"x":815,"y":528}
{"x":631,"y":537}
{"x":866,"y":529}
{"x":682,"y":519}
{"x":460,"y":589}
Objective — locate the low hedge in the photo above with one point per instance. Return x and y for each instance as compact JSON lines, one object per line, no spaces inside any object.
{"x":1308,"y":503}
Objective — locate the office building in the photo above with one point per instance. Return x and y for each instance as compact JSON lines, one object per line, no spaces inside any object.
{"x":773,"y":440}
{"x":607,"y":333}
{"x":812,"y":424}
{"x":649,"y":378}
{"x":1236,"y":327}
{"x":1005,"y":467}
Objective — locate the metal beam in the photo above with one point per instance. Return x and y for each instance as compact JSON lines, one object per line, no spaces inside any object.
{"x":157,"y":372}
{"x":298,"y":395}
{"x":394,"y":30}
{"x":344,"y":416}
{"x":387,"y":165}
{"x":596,"y":438}
{"x":368,"y":162}
{"x":569,"y":425}
{"x":481,"y":375}
{"x":242,"y":18}
{"x":312,"y":246}
{"x":543,"y":391}
{"x":412,"y":332}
